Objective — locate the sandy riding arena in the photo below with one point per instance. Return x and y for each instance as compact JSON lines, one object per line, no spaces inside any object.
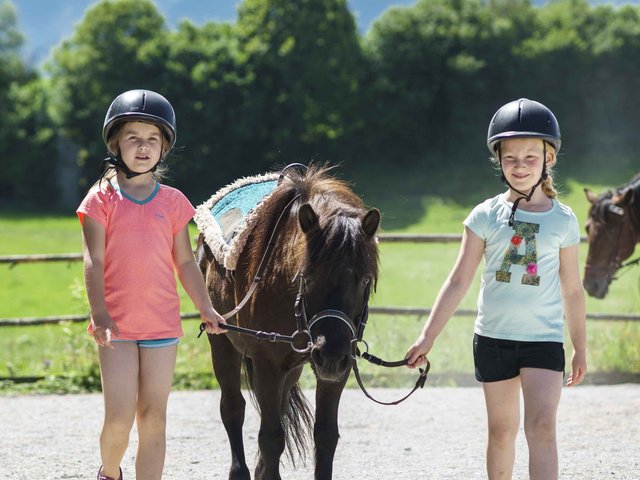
{"x":439,"y":433}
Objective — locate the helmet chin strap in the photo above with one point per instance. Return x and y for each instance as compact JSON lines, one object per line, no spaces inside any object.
{"x":116,"y":162}
{"x":524,"y":196}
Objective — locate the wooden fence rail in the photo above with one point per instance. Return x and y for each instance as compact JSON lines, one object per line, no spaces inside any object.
{"x":13,"y":260}
{"x":416,"y":311}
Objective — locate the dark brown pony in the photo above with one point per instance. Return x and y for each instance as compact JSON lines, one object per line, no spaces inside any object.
{"x":326,"y":246}
{"x":613,"y":229}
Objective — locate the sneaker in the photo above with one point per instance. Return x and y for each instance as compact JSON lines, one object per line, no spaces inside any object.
{"x":102,"y":477}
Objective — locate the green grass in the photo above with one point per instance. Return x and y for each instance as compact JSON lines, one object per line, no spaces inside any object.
{"x":411,"y":275}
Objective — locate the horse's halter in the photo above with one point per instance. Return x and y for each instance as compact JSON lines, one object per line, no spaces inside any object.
{"x":302,"y":321}
{"x":626,"y":228}
{"x":357,"y":336}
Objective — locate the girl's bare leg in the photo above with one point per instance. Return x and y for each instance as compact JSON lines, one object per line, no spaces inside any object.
{"x":541,"y":390}
{"x":156,"y":377}
{"x":503,"y":414}
{"x":119,"y":369}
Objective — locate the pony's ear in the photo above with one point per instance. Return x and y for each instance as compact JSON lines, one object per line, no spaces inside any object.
{"x":624,"y":198}
{"x":307,"y":218}
{"x":371,"y":222}
{"x":590,"y":196}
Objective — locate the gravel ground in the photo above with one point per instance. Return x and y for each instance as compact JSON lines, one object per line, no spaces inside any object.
{"x":439,"y":433}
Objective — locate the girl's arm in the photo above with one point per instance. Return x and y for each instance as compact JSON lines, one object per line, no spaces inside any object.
{"x":93,"y":246}
{"x":192,"y":281}
{"x":574,"y":312}
{"x":451,"y":294}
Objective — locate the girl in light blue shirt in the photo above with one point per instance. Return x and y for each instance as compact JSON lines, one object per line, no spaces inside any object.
{"x":530,"y":286}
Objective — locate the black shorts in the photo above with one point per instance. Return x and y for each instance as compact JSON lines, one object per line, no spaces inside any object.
{"x":497,"y":360}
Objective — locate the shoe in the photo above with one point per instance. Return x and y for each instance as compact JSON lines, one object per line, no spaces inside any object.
{"x":102,"y":477}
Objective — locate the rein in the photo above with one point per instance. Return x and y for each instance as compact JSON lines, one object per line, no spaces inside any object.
{"x":364,"y":316}
{"x":271,"y":336}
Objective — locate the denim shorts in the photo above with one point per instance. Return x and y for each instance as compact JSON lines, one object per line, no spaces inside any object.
{"x":161,"y":342}
{"x":496,"y":360}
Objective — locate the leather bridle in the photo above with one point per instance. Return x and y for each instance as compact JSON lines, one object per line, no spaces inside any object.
{"x":627,"y":229}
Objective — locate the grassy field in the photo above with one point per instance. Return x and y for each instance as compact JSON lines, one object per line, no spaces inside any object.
{"x":411,"y":275}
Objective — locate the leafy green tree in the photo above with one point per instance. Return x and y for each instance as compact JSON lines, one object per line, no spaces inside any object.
{"x":24,"y":138}
{"x":579,"y":61}
{"x":208,"y":88}
{"x":33,"y":170}
{"x":439,"y":68}
{"x":302,"y":61}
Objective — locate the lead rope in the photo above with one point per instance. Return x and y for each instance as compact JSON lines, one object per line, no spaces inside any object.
{"x":422,"y":378}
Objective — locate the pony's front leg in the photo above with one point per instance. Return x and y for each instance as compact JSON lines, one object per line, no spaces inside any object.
{"x":271,"y":438}
{"x":227,"y":366}
{"x":325,"y":429}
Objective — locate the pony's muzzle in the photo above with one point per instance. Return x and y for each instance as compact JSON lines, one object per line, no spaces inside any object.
{"x":596,"y":287}
{"x":330,"y":364}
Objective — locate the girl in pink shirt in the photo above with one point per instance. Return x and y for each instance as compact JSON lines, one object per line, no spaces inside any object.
{"x":135,"y":236}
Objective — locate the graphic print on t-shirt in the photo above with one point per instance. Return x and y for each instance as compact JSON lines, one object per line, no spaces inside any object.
{"x":524,"y":232}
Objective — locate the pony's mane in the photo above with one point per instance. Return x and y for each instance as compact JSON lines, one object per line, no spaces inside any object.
{"x":340,"y":213}
{"x":316,"y":182}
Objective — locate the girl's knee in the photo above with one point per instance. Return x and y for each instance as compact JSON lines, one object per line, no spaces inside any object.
{"x":154,"y":418}
{"x":116,"y":429}
{"x":503,"y":433}
{"x":118,"y":422}
{"x":541,"y":426}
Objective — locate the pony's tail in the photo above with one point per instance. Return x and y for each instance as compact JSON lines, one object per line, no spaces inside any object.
{"x":297,"y":419}
{"x":297,"y":423}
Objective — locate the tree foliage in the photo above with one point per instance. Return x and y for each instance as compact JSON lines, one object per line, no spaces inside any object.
{"x":302,"y":61}
{"x":294,"y":81}
{"x":25,"y":127}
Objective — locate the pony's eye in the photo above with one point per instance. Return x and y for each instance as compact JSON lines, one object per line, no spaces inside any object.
{"x":366,"y":281}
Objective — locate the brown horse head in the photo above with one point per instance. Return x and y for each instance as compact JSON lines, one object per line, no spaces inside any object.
{"x":336,"y":258}
{"x":612,"y":237}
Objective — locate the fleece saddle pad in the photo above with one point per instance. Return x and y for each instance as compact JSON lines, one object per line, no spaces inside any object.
{"x":227,"y":218}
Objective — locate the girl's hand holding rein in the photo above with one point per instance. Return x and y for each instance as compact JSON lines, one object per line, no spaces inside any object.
{"x":417,"y":354}
{"x":212,"y":321}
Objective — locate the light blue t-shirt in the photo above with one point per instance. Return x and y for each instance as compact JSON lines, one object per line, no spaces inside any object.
{"x":520,"y":288}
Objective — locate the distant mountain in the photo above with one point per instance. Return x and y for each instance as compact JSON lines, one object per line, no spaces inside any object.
{"x":46,"y":22}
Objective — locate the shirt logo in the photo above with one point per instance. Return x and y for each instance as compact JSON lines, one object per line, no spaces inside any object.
{"x":524,"y":232}
{"x":159,"y":216}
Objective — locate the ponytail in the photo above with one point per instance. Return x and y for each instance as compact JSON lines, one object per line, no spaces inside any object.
{"x":547,"y":184}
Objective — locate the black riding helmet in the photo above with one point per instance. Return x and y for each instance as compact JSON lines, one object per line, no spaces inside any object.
{"x":139,"y":105}
{"x":523,"y":118}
